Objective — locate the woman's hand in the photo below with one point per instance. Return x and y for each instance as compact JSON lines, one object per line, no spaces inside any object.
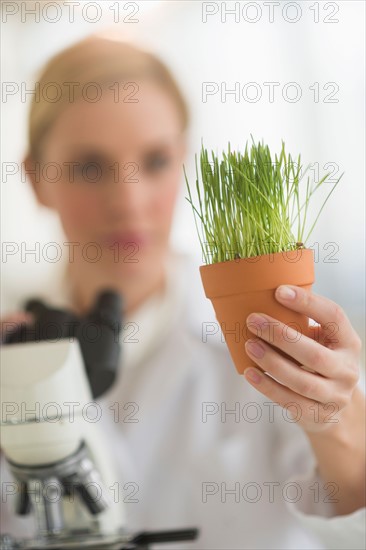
{"x":10,"y":323}
{"x":316,"y":397}
{"x":323,"y":396}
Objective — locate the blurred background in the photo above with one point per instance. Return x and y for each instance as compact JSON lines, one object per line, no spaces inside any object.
{"x":298,"y":70}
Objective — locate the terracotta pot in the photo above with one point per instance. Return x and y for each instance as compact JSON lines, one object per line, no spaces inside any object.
{"x":239,"y":287}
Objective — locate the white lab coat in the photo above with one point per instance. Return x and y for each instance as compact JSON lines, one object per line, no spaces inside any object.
{"x":246,"y":479}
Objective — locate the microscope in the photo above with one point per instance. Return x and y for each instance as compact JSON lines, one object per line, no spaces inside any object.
{"x":50,"y":374}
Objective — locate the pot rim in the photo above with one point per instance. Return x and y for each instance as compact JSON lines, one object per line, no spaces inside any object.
{"x":266,"y":273}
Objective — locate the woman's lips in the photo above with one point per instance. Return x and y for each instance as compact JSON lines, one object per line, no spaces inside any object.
{"x":123,"y":239}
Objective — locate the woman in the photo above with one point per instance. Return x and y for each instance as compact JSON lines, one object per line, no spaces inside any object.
{"x":179,"y":420}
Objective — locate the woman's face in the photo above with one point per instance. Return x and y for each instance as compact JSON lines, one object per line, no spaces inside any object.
{"x":120,"y":167}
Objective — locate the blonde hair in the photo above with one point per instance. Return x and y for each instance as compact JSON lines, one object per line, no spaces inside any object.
{"x":97,"y":61}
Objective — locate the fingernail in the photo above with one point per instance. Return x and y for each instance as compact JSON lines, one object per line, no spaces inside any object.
{"x":256,"y":319}
{"x":253,"y":375}
{"x":285,"y":292}
{"x":255,"y":349}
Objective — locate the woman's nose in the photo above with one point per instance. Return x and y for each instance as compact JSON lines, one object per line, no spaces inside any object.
{"x":125,"y":195}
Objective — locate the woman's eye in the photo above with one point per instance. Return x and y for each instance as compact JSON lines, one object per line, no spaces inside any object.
{"x":156,"y":162}
{"x":90,"y":172}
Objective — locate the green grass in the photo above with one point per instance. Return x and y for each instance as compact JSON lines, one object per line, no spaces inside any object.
{"x":250,"y":204}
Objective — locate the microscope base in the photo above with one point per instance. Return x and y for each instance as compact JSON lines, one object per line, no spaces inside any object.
{"x":141,"y":541}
